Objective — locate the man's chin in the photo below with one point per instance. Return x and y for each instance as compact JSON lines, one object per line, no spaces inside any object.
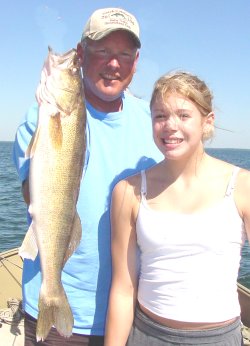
{"x":111,"y":95}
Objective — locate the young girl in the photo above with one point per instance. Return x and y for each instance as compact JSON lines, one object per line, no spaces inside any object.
{"x":189,"y":215}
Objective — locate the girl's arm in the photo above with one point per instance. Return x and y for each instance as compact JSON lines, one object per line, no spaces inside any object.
{"x":243,"y":199}
{"x":123,"y":292}
{"x":246,"y":210}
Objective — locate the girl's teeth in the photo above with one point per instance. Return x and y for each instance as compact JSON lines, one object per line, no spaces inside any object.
{"x":172,"y":141}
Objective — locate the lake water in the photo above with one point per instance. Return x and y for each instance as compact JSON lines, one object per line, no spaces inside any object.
{"x":13,"y":224}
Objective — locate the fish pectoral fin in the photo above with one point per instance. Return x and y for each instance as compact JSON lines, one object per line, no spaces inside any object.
{"x":76,"y":234}
{"x":55,"y":312}
{"x":55,"y":131}
{"x":29,"y":248}
{"x":33,"y":143}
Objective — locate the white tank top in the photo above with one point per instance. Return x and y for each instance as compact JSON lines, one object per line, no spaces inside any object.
{"x":190,"y":262}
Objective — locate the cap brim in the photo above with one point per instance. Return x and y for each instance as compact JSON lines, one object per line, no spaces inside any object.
{"x":101,"y":34}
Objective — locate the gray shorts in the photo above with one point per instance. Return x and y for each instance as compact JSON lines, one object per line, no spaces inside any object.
{"x":146,"y":332}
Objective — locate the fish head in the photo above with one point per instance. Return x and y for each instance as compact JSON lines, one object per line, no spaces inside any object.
{"x":61,"y":82}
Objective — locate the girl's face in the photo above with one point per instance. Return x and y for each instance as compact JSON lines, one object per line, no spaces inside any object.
{"x":178,"y":126}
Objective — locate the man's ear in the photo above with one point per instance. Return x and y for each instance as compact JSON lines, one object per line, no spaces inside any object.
{"x":80,"y":52}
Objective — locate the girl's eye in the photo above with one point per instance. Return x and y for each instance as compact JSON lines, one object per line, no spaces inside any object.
{"x":184,"y":115}
{"x":159,"y":117}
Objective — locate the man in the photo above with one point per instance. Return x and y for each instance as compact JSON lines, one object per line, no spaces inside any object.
{"x":119,"y":143}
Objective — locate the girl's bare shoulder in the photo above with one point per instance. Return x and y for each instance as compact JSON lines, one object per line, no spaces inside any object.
{"x":128,"y":187}
{"x":243,"y":182}
{"x":242,"y":197}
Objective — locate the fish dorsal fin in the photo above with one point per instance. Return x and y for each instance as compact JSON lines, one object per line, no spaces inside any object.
{"x":76,"y":235}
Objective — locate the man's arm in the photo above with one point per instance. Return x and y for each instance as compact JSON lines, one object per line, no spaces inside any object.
{"x":22,"y":139}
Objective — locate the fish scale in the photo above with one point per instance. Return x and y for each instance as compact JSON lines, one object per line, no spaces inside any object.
{"x":57,"y":152}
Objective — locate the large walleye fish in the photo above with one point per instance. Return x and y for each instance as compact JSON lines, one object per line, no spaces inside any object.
{"x":57,"y":154}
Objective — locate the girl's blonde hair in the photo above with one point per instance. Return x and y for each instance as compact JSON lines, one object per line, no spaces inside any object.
{"x":187,"y":85}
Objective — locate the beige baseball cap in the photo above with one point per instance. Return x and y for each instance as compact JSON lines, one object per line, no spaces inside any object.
{"x":103,"y":21}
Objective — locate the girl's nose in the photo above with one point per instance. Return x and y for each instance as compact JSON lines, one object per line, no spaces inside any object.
{"x":171,"y":122}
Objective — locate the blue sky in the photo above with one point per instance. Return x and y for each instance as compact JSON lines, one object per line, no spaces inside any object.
{"x":209,"y":38}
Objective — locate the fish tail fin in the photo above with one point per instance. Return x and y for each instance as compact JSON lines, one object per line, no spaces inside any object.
{"x":54,"y":312}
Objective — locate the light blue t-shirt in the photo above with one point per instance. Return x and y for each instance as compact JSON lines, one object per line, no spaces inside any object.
{"x":119,"y":144}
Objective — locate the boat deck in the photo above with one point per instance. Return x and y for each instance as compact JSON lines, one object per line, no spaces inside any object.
{"x":246,"y":336}
{"x":11,"y":314}
{"x":12,"y":334}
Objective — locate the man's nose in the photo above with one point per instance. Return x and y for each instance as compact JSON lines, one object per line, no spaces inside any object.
{"x":114,"y":61}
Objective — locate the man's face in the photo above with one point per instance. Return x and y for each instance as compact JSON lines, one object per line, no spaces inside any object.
{"x":108,"y":66}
